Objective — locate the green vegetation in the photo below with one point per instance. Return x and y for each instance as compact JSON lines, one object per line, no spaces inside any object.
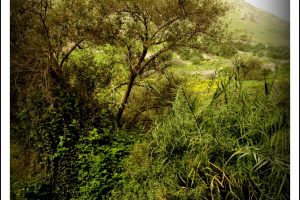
{"x":143,"y":99}
{"x":260,"y":26}
{"x":235,"y":150}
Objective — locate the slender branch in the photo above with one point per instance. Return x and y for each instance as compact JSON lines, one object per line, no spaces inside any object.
{"x":47,"y":33}
{"x":129,"y":57}
{"x":146,"y":29}
{"x":165,"y":25}
{"x":129,"y":54}
{"x":160,"y":42}
{"x":138,"y":67}
{"x":120,"y":85}
{"x":144,"y":109}
{"x":132,"y":13}
{"x":69,"y":52}
{"x":152,"y":58}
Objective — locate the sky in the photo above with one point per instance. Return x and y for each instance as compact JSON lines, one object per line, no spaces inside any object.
{"x":280,"y":8}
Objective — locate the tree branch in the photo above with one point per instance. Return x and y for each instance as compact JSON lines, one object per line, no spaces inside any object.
{"x":69,"y":52}
{"x":152,"y":58}
{"x":141,"y":59}
{"x":120,"y":85}
{"x":144,"y":109}
{"x":165,"y":25}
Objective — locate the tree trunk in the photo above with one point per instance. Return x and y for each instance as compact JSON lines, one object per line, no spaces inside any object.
{"x":125,"y":100}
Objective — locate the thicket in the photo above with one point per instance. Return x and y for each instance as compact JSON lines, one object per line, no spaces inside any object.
{"x":75,"y":140}
{"x":96,"y":115}
{"x":236,"y":148}
{"x":262,"y":50}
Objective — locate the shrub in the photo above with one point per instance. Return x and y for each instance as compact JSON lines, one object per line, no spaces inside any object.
{"x":99,"y":158}
{"x":150,"y":99}
{"x":196,"y":60}
{"x":251,"y":68}
{"x":55,"y":128}
{"x":280,"y":52}
{"x":186,"y":54}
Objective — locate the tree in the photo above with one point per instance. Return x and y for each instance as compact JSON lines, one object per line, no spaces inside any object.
{"x":40,"y":33}
{"x":48,"y":114}
{"x":150,"y":29}
{"x":147,"y":31}
{"x":44,"y":33}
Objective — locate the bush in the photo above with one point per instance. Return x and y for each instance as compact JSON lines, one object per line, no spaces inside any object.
{"x":186,"y":54}
{"x":80,"y":150}
{"x":251,"y":68}
{"x":192,"y":55}
{"x":99,"y":158}
{"x":280,"y":52}
{"x":151,"y":99}
{"x":196,"y":60}
{"x":244,"y":46}
{"x":227,"y":50}
{"x":58,"y":131}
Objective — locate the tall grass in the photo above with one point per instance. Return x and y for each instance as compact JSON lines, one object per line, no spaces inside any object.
{"x":235,"y":148}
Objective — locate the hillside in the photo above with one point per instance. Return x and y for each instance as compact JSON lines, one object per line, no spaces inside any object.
{"x":260,"y":25}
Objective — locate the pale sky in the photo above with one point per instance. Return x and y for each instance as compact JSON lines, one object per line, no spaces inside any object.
{"x":280,"y":8}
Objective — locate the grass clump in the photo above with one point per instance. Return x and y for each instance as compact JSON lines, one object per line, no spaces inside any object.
{"x":237,"y":147}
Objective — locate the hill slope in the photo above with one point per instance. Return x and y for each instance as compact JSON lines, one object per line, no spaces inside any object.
{"x":261,"y":26}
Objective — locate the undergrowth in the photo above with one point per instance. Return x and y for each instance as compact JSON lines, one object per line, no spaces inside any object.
{"x":235,"y":148}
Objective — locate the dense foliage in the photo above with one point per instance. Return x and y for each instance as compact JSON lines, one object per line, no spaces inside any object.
{"x":99,"y":109}
{"x":236,"y":150}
